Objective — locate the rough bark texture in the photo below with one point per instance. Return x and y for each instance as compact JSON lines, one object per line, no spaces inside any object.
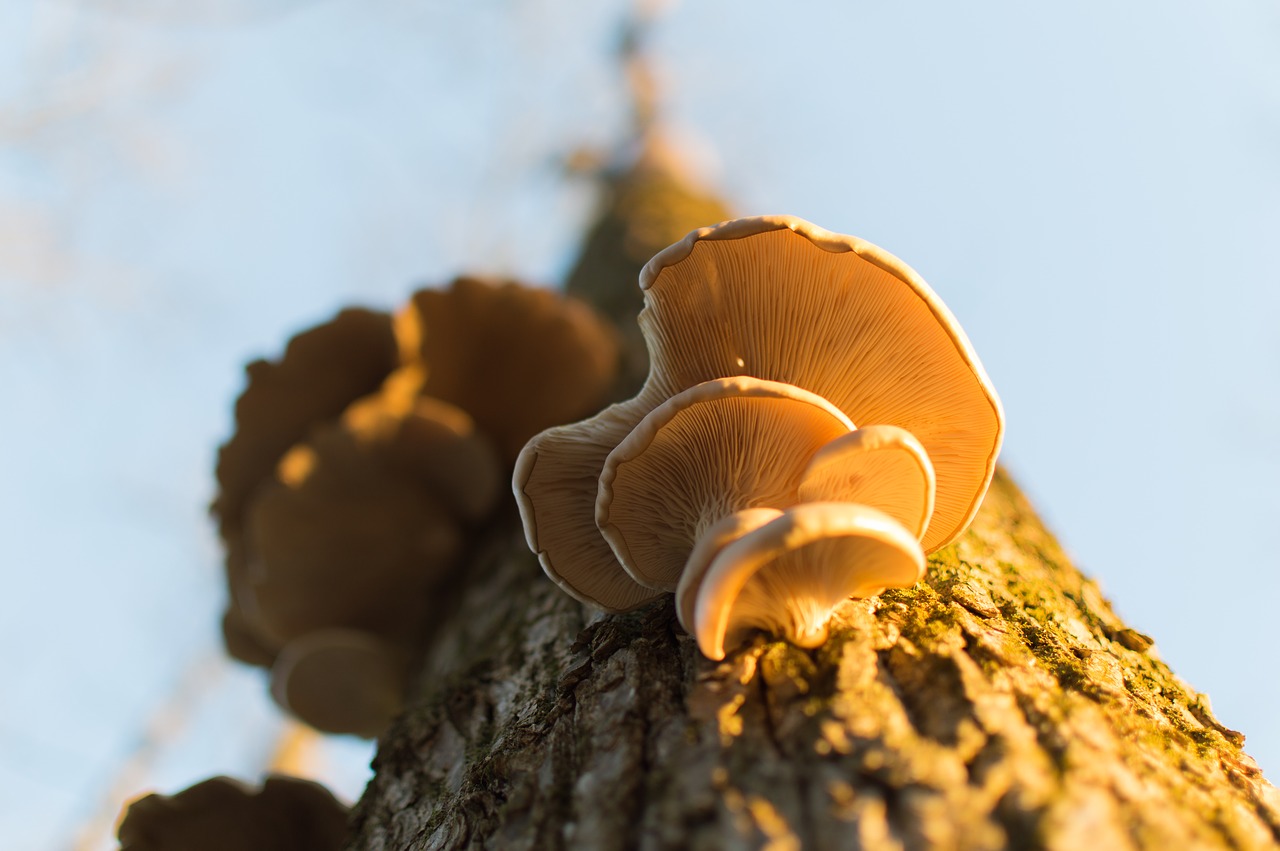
{"x":1000,"y":703}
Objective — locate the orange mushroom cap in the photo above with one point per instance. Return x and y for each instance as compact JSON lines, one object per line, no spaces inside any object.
{"x":881,"y":466}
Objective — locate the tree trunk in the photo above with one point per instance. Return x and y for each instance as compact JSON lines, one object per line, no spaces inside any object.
{"x":999,"y":703}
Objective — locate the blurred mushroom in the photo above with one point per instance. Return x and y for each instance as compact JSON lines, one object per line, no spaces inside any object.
{"x":364,"y":460}
{"x":360,"y":523}
{"x":779,"y":299}
{"x":323,"y":370}
{"x":286,"y":814}
{"x":516,"y":358}
{"x":341,"y":681}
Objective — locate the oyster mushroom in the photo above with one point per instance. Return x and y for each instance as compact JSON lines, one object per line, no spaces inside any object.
{"x":795,"y":566}
{"x":881,"y":466}
{"x":778,"y":299}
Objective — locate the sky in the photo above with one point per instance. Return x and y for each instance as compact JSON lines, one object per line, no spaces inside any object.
{"x":1094,"y":191}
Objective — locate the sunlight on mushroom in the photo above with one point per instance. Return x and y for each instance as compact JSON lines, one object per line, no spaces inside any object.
{"x":688,"y":485}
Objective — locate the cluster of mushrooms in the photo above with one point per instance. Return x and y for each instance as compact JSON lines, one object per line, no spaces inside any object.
{"x":366,"y":460}
{"x":813,"y":424}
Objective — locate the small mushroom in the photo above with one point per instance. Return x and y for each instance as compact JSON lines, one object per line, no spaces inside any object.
{"x":788,"y":575}
{"x":341,"y":681}
{"x":778,"y":299}
{"x":879,"y":470}
{"x":286,"y":814}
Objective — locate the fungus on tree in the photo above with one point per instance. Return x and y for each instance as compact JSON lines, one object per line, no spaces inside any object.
{"x":779,"y":301}
{"x":286,"y":814}
{"x":366,"y":460}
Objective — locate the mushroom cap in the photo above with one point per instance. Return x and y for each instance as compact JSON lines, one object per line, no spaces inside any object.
{"x":710,"y":543}
{"x":322,"y":370}
{"x":882,"y":466}
{"x":341,"y":681}
{"x":779,"y":299}
{"x":286,"y":814}
{"x":790,"y":574}
{"x":516,"y":358}
{"x":714,"y":449}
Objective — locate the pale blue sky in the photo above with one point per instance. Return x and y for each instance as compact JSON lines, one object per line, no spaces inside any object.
{"x":1094,"y":191}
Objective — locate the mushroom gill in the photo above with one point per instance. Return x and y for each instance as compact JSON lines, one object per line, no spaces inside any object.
{"x":710,"y":451}
{"x":788,"y":575}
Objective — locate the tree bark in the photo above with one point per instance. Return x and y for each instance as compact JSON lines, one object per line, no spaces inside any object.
{"x":1000,"y":703}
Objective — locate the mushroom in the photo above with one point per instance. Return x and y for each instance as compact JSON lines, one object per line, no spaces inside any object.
{"x":880,"y":465}
{"x":516,"y":358}
{"x":788,"y":575}
{"x":778,"y":299}
{"x":323,"y":370}
{"x":830,"y":551}
{"x":708,"y":546}
{"x":341,"y":681}
{"x":368,"y":454}
{"x":286,"y":814}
